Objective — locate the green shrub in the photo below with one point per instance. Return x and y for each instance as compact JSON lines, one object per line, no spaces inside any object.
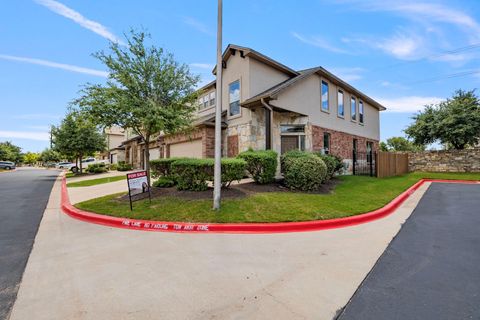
{"x":123,"y":166}
{"x":192,"y":174}
{"x":162,"y":167}
{"x":97,"y":168}
{"x":339,"y":166}
{"x":331,"y":163}
{"x":164,"y":182}
{"x":290,"y":155}
{"x":233,"y":169}
{"x":305,"y":173}
{"x":261,"y":165}
{"x":113,"y":166}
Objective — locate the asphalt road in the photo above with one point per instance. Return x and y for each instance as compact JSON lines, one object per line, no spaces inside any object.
{"x":431,"y":270}
{"x":23,"y":198}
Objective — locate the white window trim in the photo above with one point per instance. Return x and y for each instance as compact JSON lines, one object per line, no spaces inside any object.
{"x":356,"y":111}
{"x":322,"y":81}
{"x":343,"y":104}
{"x":363,"y":113}
{"x":240,"y":100}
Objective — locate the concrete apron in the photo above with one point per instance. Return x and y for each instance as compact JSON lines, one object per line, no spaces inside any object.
{"x":79,"y":270}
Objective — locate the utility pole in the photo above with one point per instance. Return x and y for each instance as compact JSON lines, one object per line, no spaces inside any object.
{"x":217,"y":183}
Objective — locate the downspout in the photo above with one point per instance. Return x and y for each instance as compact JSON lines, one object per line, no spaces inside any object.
{"x":268,"y":125}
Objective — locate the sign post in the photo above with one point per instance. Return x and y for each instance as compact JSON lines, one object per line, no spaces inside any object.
{"x":137,"y":185}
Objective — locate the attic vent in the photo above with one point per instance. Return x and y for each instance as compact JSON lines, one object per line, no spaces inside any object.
{"x":233,"y":51}
{"x":241,"y":54}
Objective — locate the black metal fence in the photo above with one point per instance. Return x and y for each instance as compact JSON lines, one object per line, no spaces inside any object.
{"x":364,"y":163}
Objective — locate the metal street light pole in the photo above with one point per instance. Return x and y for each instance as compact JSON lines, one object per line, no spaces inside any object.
{"x":217,"y":183}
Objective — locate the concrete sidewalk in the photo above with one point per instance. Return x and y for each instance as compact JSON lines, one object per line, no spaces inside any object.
{"x":79,"y":270}
{"x":99,"y":175}
{"x":79,"y":194}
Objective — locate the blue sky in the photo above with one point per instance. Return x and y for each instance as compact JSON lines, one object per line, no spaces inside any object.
{"x":402,"y":53}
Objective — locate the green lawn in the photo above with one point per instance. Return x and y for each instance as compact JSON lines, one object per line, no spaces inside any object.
{"x":92,"y":182}
{"x":354,"y":195}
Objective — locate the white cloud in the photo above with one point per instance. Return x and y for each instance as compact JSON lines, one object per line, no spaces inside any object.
{"x":197,"y":25}
{"x":78,"y":18}
{"x":201,"y":65}
{"x":30,"y":135}
{"x":403,"y":44}
{"x":348,"y":74}
{"x":408,"y":103}
{"x":318,"y":42}
{"x":57,"y":65}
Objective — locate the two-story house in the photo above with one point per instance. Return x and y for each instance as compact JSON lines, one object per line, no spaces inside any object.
{"x":267,"y":105}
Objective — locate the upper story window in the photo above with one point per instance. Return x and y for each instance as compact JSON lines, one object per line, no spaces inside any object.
{"x":324,"y":96}
{"x":353,"y":108}
{"x":234,"y":98}
{"x":340,"y":107}
{"x":212,"y":98}
{"x":205,"y":101}
{"x":360,"y":111}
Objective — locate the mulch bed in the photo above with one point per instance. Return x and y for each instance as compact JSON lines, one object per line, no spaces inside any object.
{"x":236,"y":191}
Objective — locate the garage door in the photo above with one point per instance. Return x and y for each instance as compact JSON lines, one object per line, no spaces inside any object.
{"x":154,"y":153}
{"x":191,"y":149}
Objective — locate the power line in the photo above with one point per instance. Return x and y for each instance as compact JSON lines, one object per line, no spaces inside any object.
{"x":447,"y":76}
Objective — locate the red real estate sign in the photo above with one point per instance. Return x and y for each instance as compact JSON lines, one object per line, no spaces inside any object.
{"x":137,"y":184}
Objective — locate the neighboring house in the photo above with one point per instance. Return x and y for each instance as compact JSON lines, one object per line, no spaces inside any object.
{"x":115,"y":151}
{"x":267,"y":105}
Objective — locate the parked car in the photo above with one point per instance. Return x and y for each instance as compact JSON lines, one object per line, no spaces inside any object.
{"x":86,"y":162}
{"x":65,"y":165}
{"x":7,"y":165}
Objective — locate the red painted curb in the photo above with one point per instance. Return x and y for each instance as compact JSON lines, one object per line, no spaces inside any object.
{"x":148,"y":225}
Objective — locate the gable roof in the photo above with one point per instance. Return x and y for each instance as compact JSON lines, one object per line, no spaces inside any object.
{"x":249,"y":52}
{"x":274,"y":91}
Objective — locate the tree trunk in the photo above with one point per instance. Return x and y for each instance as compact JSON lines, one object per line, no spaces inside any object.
{"x":147,"y":159}
{"x":81,"y":169}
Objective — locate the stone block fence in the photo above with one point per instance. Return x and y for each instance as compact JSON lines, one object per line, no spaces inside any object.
{"x":445,"y":161}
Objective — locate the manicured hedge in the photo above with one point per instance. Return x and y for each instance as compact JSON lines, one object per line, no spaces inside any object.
{"x":233,"y":169}
{"x":194,"y":174}
{"x":330,"y":162}
{"x":162,"y":167}
{"x":97,"y":168}
{"x":303,"y":170}
{"x":261,"y":165}
{"x":123,"y":166}
{"x":164,"y":182}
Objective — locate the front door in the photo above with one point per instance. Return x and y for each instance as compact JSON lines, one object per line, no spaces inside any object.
{"x":289,"y":143}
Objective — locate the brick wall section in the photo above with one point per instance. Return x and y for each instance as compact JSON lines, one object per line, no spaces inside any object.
{"x":208,"y":142}
{"x":445,"y":161}
{"x":341,"y":143}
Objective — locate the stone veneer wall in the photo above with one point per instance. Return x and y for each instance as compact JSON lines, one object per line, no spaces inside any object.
{"x":341,"y":143}
{"x":445,"y":161}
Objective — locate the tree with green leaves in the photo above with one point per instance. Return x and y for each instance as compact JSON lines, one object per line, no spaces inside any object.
{"x":147,"y":91}
{"x":50,"y":155}
{"x":454,"y":122}
{"x":400,"y":144}
{"x":10,"y":152}
{"x":77,"y":137}
{"x":30,"y":158}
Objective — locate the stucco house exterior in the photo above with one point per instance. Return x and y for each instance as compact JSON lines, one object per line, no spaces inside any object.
{"x":267,"y":105}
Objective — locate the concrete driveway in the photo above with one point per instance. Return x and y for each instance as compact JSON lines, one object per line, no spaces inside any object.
{"x":431,"y":270}
{"x":79,"y":270}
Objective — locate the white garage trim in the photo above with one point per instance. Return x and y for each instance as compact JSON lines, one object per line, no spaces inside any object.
{"x":190,"y":149}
